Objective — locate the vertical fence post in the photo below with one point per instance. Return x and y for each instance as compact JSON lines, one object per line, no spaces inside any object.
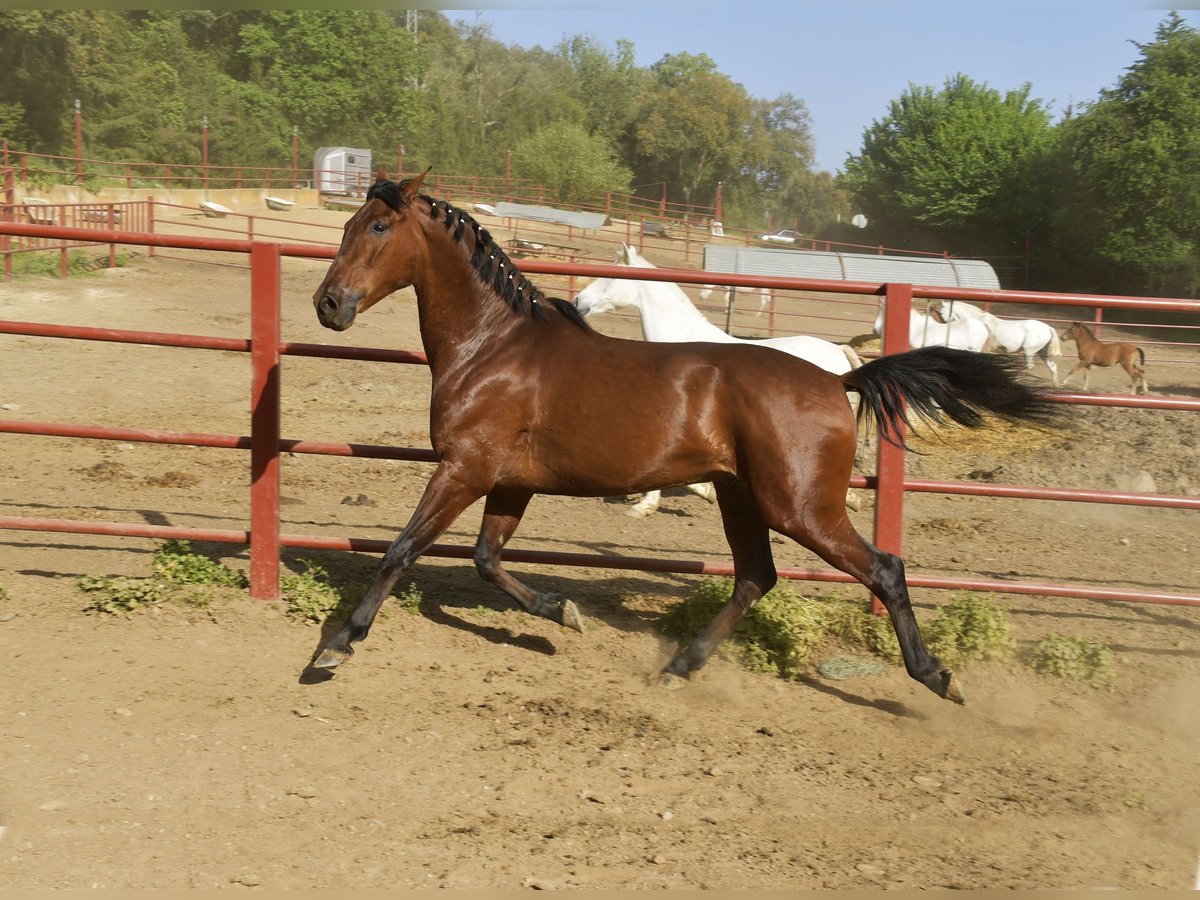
{"x":111,"y":220}
{"x":264,"y":421}
{"x":10,"y":215}
{"x":889,"y":470}
{"x":150,"y":219}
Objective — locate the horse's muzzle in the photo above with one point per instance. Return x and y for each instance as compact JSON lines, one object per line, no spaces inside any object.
{"x":334,"y":313}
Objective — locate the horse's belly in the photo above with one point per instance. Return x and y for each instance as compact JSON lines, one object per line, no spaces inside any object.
{"x":587,"y":462}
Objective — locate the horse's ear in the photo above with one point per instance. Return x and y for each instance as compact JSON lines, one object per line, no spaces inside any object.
{"x":623,"y":255}
{"x":412,"y":186}
{"x":381,"y":174}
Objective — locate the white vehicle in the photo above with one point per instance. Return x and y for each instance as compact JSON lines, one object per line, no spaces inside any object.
{"x":783,"y":236}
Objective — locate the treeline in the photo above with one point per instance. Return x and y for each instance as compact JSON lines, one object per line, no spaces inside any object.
{"x":1104,"y":200}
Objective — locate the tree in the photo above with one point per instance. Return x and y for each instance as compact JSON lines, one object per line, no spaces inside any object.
{"x":783,"y":188}
{"x":955,"y":163}
{"x":607,"y":84}
{"x":695,"y":127}
{"x":570,"y":163}
{"x":347,"y":75}
{"x":1131,"y":172}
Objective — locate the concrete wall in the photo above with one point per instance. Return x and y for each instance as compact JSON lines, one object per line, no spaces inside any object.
{"x":245,"y":200}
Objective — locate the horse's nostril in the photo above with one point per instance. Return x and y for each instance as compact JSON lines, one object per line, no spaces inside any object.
{"x":329,"y":305}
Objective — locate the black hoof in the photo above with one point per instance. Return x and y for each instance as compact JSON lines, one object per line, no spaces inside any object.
{"x":570,"y":617}
{"x":331,"y":658}
{"x":671,"y":682}
{"x":950,"y":689}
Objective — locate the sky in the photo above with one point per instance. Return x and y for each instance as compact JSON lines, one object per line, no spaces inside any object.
{"x":847,"y":61}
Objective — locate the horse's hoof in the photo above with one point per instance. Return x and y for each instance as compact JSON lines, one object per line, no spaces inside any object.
{"x":331,"y":659}
{"x":571,"y":617}
{"x":950,"y":689}
{"x":671,"y":682}
{"x":638,"y":512}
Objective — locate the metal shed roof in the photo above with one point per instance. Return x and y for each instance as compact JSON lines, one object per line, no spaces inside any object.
{"x":835,"y":266}
{"x":549,"y":214}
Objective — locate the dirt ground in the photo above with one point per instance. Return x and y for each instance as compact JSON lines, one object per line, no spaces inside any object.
{"x":473,"y":746}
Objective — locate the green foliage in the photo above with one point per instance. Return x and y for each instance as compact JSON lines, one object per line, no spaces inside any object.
{"x":783,"y":630}
{"x":958,"y":161}
{"x":178,"y":573}
{"x":175,"y":562}
{"x":49,"y":262}
{"x":569,"y":162}
{"x":695,"y":126}
{"x":781,"y":633}
{"x":1129,"y":188}
{"x":309,"y":595}
{"x":1074,"y":659}
{"x":969,"y":628}
{"x":410,"y":599}
{"x":112,"y":596}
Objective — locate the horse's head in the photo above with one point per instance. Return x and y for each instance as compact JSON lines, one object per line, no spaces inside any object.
{"x":380,"y":250}
{"x":1072,"y":330}
{"x":606,"y":294}
{"x":633,"y":258}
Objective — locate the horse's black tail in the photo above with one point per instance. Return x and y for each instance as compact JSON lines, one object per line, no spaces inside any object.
{"x":939,"y":383}
{"x":1141,"y":357}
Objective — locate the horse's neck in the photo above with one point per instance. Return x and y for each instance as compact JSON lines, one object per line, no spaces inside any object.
{"x":458,"y":316}
{"x":668,"y":315}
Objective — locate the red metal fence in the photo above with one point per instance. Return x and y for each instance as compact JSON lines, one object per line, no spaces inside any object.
{"x":265,"y":443}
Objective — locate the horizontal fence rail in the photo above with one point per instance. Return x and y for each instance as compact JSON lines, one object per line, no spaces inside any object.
{"x":266,"y":444}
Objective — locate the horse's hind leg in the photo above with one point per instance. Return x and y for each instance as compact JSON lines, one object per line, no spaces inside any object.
{"x":446,"y":496}
{"x":1136,"y":375}
{"x":754,"y":575}
{"x":645,"y":506}
{"x":502,"y":514}
{"x":1051,"y":365}
{"x":830,"y":535}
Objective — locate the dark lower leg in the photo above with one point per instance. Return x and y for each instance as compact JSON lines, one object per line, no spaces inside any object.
{"x":501,"y":514}
{"x":695,"y":655}
{"x":883,"y":573}
{"x":754,"y":568}
{"x":920,"y":664}
{"x":446,"y":495}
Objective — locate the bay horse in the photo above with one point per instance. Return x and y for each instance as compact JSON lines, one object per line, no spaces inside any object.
{"x":1095,"y":352}
{"x":667,"y":314}
{"x":527,"y":398}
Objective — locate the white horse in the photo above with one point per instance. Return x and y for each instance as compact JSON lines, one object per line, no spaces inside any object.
{"x":669,"y":316}
{"x":1032,"y":337}
{"x":926,"y":331}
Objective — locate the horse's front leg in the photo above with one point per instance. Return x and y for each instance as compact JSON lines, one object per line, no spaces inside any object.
{"x":1075,"y":368}
{"x":446,"y":495}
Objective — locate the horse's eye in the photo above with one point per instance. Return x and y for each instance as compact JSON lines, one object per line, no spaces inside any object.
{"x":378,"y":228}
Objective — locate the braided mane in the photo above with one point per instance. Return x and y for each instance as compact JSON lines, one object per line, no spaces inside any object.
{"x":488,"y":259}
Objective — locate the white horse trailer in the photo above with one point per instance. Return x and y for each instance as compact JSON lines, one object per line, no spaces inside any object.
{"x":342,"y":170}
